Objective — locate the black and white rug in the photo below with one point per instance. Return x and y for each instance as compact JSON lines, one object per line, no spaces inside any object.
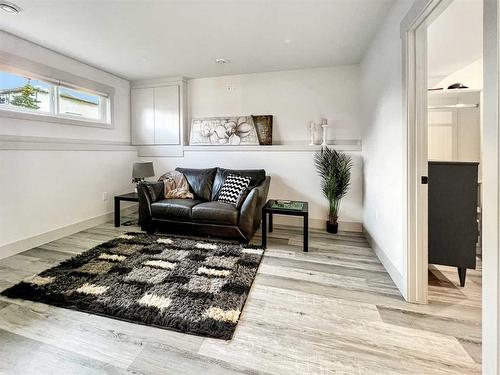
{"x":188,"y":285}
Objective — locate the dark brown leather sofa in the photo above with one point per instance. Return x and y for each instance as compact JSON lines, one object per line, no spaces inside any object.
{"x":204,"y":215}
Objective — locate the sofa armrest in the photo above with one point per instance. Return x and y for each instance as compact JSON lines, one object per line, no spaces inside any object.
{"x":263,"y":189}
{"x":148,"y":193}
{"x":251,"y":210}
{"x":247,"y":213}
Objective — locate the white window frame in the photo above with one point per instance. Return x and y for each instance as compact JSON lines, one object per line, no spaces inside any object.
{"x":78,"y":84}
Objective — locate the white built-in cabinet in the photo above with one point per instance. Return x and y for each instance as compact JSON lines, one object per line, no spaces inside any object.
{"x":454,"y":131}
{"x":166,"y":113}
{"x":143,"y":119}
{"x":156,"y":113}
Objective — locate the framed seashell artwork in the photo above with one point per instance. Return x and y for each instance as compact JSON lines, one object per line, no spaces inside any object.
{"x":223,"y":131}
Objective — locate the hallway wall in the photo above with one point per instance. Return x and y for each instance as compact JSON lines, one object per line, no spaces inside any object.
{"x":382,"y":98}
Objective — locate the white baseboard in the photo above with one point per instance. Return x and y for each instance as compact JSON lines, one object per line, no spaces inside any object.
{"x":296,"y":221}
{"x":38,"y":240}
{"x":393,"y":272}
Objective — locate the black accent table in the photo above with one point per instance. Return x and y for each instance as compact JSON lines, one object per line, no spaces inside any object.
{"x":129,"y":197}
{"x":269,"y":210}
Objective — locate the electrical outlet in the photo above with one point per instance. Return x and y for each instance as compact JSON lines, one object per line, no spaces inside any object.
{"x":104,"y":196}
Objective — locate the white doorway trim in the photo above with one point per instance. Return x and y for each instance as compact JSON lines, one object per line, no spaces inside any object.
{"x":415,"y":214}
{"x":491,"y":189}
{"x":414,"y":38}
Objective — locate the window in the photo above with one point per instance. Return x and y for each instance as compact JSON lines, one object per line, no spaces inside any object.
{"x":36,"y":96}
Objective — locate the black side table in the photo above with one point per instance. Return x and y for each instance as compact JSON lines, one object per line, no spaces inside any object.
{"x":269,"y":210}
{"x":129,"y":197}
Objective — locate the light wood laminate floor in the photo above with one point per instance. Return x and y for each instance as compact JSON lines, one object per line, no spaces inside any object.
{"x":332,"y":310}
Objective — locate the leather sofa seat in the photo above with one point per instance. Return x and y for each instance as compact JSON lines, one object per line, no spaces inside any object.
{"x":216,"y":213}
{"x":174,"y":208}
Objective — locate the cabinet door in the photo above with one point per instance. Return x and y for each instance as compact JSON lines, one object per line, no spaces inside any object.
{"x":442,"y":135}
{"x":142,"y":113}
{"x":167,"y":125}
{"x":469,"y":134}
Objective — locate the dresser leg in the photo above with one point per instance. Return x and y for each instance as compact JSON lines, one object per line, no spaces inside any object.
{"x":461,"y":275}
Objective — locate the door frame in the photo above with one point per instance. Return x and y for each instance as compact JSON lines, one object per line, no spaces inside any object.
{"x":490,"y":156}
{"x":414,"y":40}
{"x":415,"y":213}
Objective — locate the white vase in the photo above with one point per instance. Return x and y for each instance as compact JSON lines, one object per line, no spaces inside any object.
{"x":312,"y":129}
{"x":325,"y":135}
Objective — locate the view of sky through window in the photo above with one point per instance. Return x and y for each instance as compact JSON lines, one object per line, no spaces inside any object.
{"x":11,"y":81}
{"x":79,"y":95}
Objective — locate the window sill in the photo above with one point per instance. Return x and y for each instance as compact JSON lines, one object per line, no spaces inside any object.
{"x":55,"y":119}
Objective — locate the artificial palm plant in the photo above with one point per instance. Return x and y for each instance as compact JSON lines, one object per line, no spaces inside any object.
{"x":334,"y":168}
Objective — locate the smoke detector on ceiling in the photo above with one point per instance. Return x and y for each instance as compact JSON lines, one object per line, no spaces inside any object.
{"x":221,"y":61}
{"x":9,"y":7}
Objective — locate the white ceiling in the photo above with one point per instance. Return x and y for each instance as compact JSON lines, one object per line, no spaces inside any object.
{"x":455,"y":38}
{"x":138,"y":39}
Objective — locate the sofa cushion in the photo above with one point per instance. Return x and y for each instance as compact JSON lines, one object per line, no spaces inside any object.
{"x":179,"y":209}
{"x":257,"y":176}
{"x":216,"y":213}
{"x":200,"y":181}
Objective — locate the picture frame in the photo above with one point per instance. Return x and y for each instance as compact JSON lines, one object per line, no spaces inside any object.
{"x":223,"y":131}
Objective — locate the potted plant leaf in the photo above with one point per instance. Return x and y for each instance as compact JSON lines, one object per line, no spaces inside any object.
{"x":334,"y":168}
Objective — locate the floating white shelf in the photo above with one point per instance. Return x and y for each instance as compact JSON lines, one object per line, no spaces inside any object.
{"x":340,"y":145}
{"x":451,"y":92}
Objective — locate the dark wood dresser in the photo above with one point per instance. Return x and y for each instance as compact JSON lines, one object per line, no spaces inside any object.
{"x":453,"y":230}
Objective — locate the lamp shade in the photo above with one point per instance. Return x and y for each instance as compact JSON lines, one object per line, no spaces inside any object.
{"x":143,"y":169}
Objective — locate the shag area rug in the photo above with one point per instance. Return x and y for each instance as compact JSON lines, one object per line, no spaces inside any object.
{"x":191,"y":286}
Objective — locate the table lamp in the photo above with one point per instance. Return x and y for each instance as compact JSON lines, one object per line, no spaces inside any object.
{"x":141,"y":170}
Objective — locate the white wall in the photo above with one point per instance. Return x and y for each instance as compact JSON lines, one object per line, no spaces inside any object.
{"x":455,"y":39}
{"x":44,"y":191}
{"x":382,"y":101}
{"x":470,"y":75}
{"x":292,"y":177}
{"x":294,"y":98}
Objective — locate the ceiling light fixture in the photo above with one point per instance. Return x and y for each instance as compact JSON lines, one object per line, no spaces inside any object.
{"x":9,"y":7}
{"x":221,"y":61}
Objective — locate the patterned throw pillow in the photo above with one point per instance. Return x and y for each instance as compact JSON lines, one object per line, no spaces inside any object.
{"x":233,"y":189}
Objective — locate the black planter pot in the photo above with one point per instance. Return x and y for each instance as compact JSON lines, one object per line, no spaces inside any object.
{"x":332,"y":228}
